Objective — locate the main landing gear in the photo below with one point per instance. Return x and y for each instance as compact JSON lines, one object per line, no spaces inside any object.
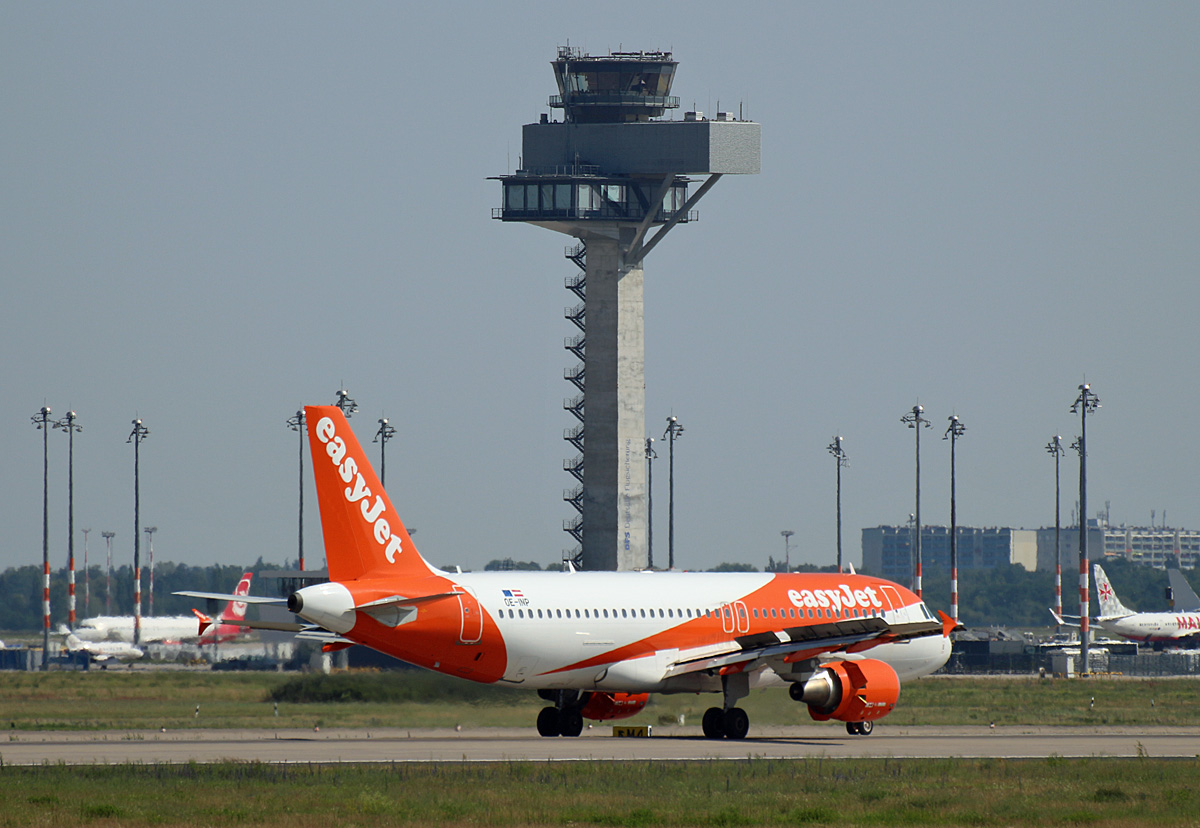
{"x":565,"y":718}
{"x":860,"y":728}
{"x":729,"y":722}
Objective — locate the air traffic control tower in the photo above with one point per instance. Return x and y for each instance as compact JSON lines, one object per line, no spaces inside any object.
{"x":614,"y":176}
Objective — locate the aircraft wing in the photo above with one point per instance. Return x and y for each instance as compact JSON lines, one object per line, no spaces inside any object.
{"x":797,"y":643}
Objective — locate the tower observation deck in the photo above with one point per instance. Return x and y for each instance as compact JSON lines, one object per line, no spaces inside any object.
{"x":614,"y":175}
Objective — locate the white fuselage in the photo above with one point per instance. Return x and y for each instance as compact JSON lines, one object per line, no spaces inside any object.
{"x":154,"y":628}
{"x":1154,"y":626}
{"x":627,"y":631}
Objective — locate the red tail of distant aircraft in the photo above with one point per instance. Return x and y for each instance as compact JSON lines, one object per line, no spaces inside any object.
{"x":595,"y":645}
{"x":229,"y":622}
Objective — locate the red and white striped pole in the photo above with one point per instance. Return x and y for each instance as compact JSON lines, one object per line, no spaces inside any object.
{"x":42,"y":421}
{"x":953,"y":432}
{"x":1055,"y":447}
{"x":45,"y":605}
{"x":150,"y":530}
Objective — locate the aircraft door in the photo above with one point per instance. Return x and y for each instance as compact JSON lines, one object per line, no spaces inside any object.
{"x":727,"y":623}
{"x":472,"y":619}
{"x":743,"y":616}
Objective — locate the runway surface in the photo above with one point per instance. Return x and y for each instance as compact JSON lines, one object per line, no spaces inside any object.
{"x":667,"y":743}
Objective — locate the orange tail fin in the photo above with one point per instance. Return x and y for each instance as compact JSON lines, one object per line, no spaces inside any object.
{"x":363,"y":533}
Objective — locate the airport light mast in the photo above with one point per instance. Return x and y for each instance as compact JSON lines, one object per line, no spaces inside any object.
{"x":139,"y":433}
{"x":1055,"y":447}
{"x":108,"y":539}
{"x":346,"y":403}
{"x":674,"y":432}
{"x":150,"y":530}
{"x":607,"y":174}
{"x":915,"y":420}
{"x":385,"y":433}
{"x":1086,"y":403}
{"x":955,"y":430}
{"x":69,"y":425}
{"x":787,"y":549}
{"x":87,"y":576}
{"x":841,"y":461}
{"x":296,"y":424}
{"x":42,"y":421}
{"x":651,"y":456}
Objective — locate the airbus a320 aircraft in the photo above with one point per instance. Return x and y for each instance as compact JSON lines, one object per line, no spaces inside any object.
{"x":595,"y":645}
{"x":196,"y":628}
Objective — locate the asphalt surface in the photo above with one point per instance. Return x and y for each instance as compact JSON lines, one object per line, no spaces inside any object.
{"x":667,"y":743}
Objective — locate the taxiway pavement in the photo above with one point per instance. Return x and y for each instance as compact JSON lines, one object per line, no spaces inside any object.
{"x":667,"y":743}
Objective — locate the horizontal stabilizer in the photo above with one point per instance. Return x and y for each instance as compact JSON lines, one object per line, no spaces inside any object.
{"x":401,"y":601}
{"x":224,"y":596}
{"x":279,"y":626}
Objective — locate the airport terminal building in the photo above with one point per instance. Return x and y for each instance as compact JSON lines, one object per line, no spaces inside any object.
{"x":887,"y":550}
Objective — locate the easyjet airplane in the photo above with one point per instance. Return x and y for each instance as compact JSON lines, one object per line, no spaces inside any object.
{"x":596,"y":644}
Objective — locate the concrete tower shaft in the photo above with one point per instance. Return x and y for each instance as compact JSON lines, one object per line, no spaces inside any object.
{"x":615,"y":178}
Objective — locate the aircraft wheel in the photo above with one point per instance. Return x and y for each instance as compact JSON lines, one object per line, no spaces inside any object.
{"x":852,"y":728}
{"x":865,"y":728}
{"x":796,"y":691}
{"x":570,"y":722}
{"x":737,"y":723}
{"x":713,"y":723}
{"x":548,"y":722}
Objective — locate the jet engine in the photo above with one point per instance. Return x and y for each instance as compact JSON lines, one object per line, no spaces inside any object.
{"x":602,"y":706}
{"x":850,"y":691}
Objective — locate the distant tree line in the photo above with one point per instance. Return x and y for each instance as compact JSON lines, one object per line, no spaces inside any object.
{"x":21,"y":588}
{"x":1005,"y":596}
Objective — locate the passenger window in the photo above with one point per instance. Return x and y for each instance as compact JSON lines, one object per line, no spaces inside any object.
{"x":606,"y":613}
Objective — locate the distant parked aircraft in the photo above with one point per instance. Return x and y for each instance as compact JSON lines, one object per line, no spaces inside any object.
{"x":103,"y":650}
{"x":196,"y":628}
{"x":1176,"y":628}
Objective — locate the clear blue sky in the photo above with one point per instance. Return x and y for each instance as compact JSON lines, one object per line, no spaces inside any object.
{"x":213,"y":213}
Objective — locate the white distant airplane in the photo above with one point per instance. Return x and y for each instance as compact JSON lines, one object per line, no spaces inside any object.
{"x":596,"y":644}
{"x":103,"y":650}
{"x":1178,"y":628}
{"x":196,"y":628}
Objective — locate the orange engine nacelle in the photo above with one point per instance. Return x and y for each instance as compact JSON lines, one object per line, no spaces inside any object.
{"x":850,"y":691}
{"x":602,"y":706}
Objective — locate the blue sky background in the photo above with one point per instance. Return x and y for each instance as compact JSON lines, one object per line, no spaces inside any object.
{"x":211,"y":214}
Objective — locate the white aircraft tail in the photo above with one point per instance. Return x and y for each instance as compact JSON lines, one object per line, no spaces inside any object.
{"x":1184,"y":596}
{"x":1110,"y":604}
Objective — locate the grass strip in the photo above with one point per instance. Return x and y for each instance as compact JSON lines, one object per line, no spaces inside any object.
{"x":812,"y":791}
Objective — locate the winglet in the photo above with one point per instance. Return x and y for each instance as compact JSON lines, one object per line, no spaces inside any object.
{"x":948,"y":624}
